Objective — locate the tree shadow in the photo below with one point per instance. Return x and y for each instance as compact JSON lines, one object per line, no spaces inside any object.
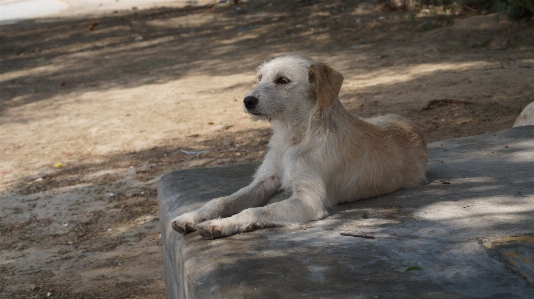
{"x":47,"y":56}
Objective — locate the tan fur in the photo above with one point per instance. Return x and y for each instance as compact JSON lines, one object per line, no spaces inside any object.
{"x":319,"y":151}
{"x":328,"y":83}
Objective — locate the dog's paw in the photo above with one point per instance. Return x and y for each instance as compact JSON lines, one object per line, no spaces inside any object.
{"x":185,"y":224}
{"x":212,"y":230}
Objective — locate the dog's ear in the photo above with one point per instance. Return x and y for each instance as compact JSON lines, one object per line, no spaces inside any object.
{"x":328,"y":83}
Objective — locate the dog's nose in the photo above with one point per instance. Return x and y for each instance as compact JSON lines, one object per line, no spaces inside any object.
{"x":250,"y":102}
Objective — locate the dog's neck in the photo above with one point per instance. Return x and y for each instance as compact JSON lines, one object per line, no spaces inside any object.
{"x":327,"y":119}
{"x":321,"y":121}
{"x":291,"y":132}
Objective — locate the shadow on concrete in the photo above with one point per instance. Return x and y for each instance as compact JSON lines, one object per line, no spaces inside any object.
{"x":478,"y":190}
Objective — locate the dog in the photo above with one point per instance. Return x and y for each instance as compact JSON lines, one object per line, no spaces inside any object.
{"x":320,"y":152}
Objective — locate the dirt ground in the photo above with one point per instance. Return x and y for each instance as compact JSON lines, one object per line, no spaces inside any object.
{"x":89,"y":119}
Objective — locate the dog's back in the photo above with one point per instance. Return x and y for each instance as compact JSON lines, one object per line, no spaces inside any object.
{"x":410,"y":142}
{"x":373,"y":156}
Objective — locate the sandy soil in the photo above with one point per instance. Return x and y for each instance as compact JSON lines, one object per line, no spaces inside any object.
{"x":89,"y":119}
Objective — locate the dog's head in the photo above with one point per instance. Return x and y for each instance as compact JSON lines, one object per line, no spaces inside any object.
{"x":291,"y":86}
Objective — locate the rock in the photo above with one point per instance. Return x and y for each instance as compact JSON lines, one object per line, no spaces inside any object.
{"x":526,"y":117}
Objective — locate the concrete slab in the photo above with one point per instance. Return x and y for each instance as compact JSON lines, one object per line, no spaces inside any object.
{"x":428,"y":241}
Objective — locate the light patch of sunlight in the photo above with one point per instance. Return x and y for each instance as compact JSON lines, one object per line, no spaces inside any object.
{"x":401,"y":75}
{"x":39,"y":70}
{"x":8,"y":261}
{"x":101,"y":173}
{"x":180,"y":22}
{"x":524,"y":155}
{"x":474,"y":209}
{"x":126,"y":228}
{"x":20,"y":10}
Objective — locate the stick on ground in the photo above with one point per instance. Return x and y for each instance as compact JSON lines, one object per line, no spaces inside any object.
{"x":357,"y":236}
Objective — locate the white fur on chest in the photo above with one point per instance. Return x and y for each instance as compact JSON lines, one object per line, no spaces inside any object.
{"x":289,"y":167}
{"x":285,"y":152}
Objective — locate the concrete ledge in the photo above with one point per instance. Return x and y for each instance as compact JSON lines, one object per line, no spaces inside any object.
{"x":428,"y":240}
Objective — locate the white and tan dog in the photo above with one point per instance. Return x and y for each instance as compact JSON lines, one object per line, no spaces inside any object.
{"x":319,"y":151}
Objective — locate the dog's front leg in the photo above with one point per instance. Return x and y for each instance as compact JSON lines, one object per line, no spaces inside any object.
{"x":258,"y":193}
{"x":301,"y":207}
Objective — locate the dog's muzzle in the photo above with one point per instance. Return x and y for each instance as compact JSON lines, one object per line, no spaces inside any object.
{"x":250,"y":102}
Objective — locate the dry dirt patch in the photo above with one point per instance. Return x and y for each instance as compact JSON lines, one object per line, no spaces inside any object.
{"x":117,"y":111}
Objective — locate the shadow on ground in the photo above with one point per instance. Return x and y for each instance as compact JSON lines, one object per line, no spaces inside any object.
{"x":48,"y":56}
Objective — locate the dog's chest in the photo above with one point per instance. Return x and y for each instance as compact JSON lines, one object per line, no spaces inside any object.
{"x":289,"y":166}
{"x":285,"y":147}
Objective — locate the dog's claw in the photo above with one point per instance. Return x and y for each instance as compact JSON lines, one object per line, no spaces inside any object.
{"x":182,"y":230}
{"x":210,"y":235}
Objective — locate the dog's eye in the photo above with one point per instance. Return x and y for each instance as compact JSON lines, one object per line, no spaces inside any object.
{"x":259,"y":78}
{"x":282,"y":80}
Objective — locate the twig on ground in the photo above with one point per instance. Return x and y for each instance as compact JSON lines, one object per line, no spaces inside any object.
{"x":237,"y":151}
{"x":357,"y":236}
{"x":443,"y":101}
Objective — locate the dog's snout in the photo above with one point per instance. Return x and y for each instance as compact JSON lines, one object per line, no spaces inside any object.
{"x":250,"y":102}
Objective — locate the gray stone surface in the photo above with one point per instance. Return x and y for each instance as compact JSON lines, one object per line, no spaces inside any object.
{"x":480,"y":188}
{"x":516,"y":252}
